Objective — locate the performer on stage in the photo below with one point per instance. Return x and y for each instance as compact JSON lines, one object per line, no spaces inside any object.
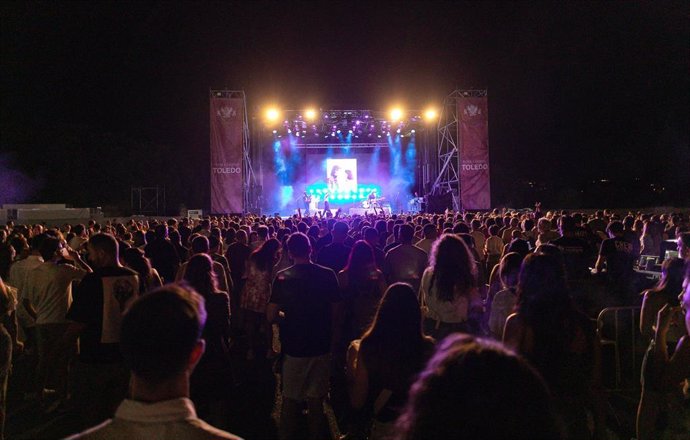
{"x":306,"y":197}
{"x":326,"y":205}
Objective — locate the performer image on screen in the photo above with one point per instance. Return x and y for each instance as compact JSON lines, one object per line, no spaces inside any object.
{"x":340,"y":179}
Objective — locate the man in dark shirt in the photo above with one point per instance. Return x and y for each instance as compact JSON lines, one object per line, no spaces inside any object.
{"x":237,"y":255}
{"x":617,"y":254}
{"x":630,"y":236}
{"x":327,"y":238}
{"x":305,"y":302}
{"x":163,"y":255}
{"x":406,"y":262}
{"x":371,"y":236}
{"x":598,"y":223}
{"x":96,"y":312}
{"x":576,"y":252}
{"x":396,"y":239}
{"x":334,"y":256}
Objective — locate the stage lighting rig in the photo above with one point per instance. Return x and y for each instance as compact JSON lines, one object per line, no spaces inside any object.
{"x":310,"y":114}
{"x":272,"y":114}
{"x":431,"y":114}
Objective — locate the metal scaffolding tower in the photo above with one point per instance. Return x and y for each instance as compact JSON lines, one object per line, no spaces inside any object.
{"x":147,"y":200}
{"x":448,"y":147}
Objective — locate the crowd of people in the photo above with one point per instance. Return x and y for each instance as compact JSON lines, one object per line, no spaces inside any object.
{"x":464,"y":325}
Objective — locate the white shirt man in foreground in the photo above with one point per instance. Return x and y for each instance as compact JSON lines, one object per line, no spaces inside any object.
{"x":161,"y":344}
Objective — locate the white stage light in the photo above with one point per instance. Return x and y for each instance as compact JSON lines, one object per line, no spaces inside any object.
{"x":430,"y":114}
{"x":272,"y":114}
{"x":310,"y":114}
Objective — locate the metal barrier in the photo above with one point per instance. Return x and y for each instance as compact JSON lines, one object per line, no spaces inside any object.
{"x":625,"y":325}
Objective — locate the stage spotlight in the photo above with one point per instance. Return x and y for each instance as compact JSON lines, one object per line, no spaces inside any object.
{"x":350,"y":131}
{"x":272,"y":114}
{"x":412,"y":131}
{"x":310,"y":114}
{"x":396,"y":114}
{"x":275,"y":131}
{"x":398,"y":131}
{"x":430,"y":114}
{"x":338,"y":131}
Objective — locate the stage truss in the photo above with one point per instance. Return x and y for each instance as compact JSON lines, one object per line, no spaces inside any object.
{"x":448,"y":146}
{"x":248,"y":177}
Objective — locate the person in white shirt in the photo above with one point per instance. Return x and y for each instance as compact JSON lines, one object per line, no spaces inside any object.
{"x":406,"y":262}
{"x":80,"y":237}
{"x":493,"y":248}
{"x":161,"y":343}
{"x":479,"y":238}
{"x":48,"y":295}
{"x":430,"y":236}
{"x":19,"y":275}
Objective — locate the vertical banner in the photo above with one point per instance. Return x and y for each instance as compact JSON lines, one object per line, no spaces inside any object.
{"x":473,"y":131}
{"x":227,"y":121}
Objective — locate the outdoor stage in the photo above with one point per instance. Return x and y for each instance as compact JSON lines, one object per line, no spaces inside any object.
{"x":397,"y":161}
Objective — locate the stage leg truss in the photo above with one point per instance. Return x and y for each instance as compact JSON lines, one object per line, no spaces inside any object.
{"x":449,"y":146}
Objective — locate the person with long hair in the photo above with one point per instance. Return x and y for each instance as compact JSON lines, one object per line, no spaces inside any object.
{"x":448,"y":289}
{"x":7,"y":306}
{"x":362,"y":286}
{"x":211,"y":377}
{"x":663,"y":411}
{"x":665,"y":292}
{"x":382,"y":365}
{"x":661,"y":319}
{"x":502,"y":304}
{"x":559,"y":341}
{"x":476,"y":389}
{"x":135,"y":259}
{"x":257,"y":292}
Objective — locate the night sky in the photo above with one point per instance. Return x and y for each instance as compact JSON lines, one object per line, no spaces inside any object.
{"x":98,"y":97}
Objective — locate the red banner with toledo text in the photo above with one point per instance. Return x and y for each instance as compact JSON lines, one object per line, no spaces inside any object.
{"x":227,"y":118}
{"x":473,"y":150}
